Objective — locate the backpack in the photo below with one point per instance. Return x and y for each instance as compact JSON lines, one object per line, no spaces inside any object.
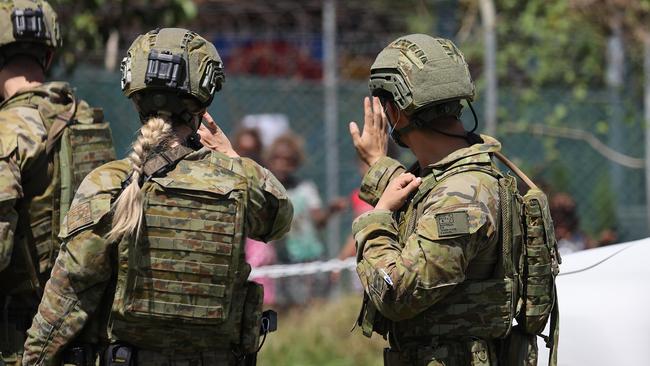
{"x":85,"y":143}
{"x":186,"y":272}
{"x":78,"y":141}
{"x":538,"y":266}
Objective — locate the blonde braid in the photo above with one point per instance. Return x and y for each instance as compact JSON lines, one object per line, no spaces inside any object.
{"x":127,"y":215}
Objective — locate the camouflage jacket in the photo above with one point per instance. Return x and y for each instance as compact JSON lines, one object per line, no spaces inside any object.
{"x":87,"y":262}
{"x":28,"y":181}
{"x":446,"y":233}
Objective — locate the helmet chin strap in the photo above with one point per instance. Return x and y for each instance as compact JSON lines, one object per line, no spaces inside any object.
{"x":416,"y":123}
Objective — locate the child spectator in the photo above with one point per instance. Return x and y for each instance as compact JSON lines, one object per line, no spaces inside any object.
{"x":248,"y":143}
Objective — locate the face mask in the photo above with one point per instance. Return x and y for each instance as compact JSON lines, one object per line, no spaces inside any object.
{"x":394,"y":135}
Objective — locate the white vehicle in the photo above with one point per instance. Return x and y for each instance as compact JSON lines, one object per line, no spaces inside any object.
{"x":604,"y":301}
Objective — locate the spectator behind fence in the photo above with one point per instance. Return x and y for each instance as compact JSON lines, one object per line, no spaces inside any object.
{"x":302,"y":244}
{"x":248,"y":143}
{"x":565,"y":218}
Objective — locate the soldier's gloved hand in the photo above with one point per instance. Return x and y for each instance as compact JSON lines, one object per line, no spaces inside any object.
{"x":398,"y":191}
{"x":213,"y":137}
{"x":372,"y":144}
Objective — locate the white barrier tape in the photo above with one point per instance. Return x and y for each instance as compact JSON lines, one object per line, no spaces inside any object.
{"x":300,"y":269}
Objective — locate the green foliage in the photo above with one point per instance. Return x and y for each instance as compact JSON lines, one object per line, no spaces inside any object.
{"x":87,"y":24}
{"x":544,"y":43}
{"x":320,"y":335}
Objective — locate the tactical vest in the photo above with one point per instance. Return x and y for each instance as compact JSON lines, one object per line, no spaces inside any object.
{"x":181,"y":287}
{"x":78,"y":141}
{"x":521,"y":289}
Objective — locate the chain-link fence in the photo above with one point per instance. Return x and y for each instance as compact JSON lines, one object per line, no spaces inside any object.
{"x":582,"y":142}
{"x":576,"y":148}
{"x":558,"y":151}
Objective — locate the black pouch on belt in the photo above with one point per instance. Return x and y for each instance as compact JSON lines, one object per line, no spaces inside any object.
{"x":119,"y":354}
{"x":79,"y":355}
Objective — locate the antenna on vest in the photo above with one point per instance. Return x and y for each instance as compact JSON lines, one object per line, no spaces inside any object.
{"x":516,"y":170}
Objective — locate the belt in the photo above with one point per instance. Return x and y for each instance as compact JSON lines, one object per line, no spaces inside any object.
{"x":127,"y":356}
{"x":210,"y":358}
{"x":470,"y":352}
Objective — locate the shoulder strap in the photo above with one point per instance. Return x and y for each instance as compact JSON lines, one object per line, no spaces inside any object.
{"x":162,"y":161}
{"x":554,"y":331}
{"x":431,"y":181}
{"x":21,"y":99}
{"x":61,"y":121}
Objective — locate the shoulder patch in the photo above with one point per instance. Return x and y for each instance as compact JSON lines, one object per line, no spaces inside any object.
{"x":79,"y":215}
{"x":85,"y":214}
{"x":452,"y":223}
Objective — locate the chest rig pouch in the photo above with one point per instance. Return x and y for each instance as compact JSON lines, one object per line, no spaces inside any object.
{"x":186,"y":274}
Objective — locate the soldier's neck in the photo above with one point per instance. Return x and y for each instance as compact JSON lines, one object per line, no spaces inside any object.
{"x":181,"y":132}
{"x":430,"y":147}
{"x":14,"y":85}
{"x":16,"y":76}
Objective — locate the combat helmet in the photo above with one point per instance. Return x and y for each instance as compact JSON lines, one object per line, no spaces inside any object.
{"x":419,"y":71}
{"x":171,"y":70}
{"x":28,"y":28}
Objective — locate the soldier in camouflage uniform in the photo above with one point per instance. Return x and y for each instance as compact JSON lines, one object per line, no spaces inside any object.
{"x":153,"y":253}
{"x":429,"y":251}
{"x":40,"y":165}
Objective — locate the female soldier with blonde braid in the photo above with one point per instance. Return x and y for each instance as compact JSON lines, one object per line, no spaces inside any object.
{"x":153,"y":247}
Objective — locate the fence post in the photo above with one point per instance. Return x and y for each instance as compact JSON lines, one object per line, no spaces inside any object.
{"x":614,"y":79}
{"x":488,"y":18}
{"x":331,"y":119}
{"x":646,"y":105}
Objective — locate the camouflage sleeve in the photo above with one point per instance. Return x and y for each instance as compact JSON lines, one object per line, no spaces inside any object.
{"x":80,"y":275}
{"x":378,"y":177}
{"x":268,"y":210}
{"x":19,"y":148}
{"x":10,"y":191}
{"x":404,"y":276}
{"x":79,"y":278}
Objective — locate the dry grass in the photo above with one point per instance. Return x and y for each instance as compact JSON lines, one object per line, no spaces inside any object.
{"x":320,"y":335}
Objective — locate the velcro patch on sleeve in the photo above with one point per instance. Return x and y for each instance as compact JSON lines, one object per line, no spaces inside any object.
{"x":452,"y":223}
{"x":79,"y":215}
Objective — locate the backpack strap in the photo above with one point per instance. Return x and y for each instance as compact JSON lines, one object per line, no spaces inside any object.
{"x":61,"y":121}
{"x":163,"y":161}
{"x":554,"y":331}
{"x":432,"y":180}
{"x":516,"y":170}
{"x":160,"y":163}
